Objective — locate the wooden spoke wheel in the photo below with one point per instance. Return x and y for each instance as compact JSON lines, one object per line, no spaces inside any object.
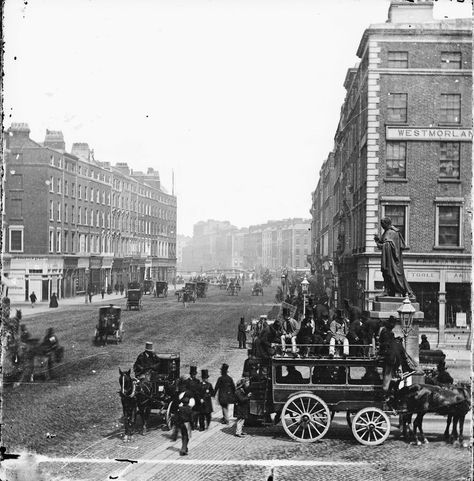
{"x":371,"y":426}
{"x":169,"y":416}
{"x":305,"y":417}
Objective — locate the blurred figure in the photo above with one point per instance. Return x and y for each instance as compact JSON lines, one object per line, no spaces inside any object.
{"x":424,"y":344}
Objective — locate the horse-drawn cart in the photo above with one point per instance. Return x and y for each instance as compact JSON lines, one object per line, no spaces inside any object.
{"x":147,"y":286}
{"x":134,"y":299}
{"x":201,"y":289}
{"x":109,"y":325}
{"x":161,"y":289}
{"x":257,"y":289}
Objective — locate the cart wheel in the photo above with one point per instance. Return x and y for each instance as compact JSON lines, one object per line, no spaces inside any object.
{"x":305,"y":417}
{"x":371,"y":426}
{"x":169,"y":416}
{"x":349,"y":418}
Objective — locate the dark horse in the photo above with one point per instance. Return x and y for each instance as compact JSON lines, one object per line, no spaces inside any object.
{"x":128,"y":397}
{"x":420,"y":399}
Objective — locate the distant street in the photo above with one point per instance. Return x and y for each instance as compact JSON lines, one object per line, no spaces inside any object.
{"x":80,"y":408}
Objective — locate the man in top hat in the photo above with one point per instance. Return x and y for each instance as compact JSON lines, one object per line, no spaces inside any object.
{"x":147,"y":362}
{"x":206,"y":393}
{"x":193,"y":385}
{"x":226,"y":388}
{"x":443,"y":377}
{"x":424,"y":344}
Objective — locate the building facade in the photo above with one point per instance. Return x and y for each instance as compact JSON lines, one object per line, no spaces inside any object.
{"x":274,"y":245}
{"x":72,"y":223}
{"x":403,"y":149}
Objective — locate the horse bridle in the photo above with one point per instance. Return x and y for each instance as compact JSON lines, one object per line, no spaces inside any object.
{"x":122,"y":388}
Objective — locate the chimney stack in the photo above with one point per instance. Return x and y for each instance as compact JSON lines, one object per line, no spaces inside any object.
{"x":55,"y":140}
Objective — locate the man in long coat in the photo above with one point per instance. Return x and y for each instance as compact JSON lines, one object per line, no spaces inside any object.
{"x":193,"y":385}
{"x":206,"y":393}
{"x":146,"y":362}
{"x":225,"y":388}
{"x":392,"y":244}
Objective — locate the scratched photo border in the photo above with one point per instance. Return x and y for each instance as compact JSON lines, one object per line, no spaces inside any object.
{"x":28,"y":460}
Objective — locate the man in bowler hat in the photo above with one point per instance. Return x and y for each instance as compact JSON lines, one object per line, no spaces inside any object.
{"x":206,"y":393}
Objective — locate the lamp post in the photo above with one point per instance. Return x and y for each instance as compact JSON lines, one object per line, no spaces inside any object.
{"x":405,"y":313}
{"x":304,"y":288}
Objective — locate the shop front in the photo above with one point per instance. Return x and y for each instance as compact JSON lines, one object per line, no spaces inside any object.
{"x":70,"y":276}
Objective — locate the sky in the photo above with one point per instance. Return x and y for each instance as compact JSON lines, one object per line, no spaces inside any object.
{"x":239,"y":98}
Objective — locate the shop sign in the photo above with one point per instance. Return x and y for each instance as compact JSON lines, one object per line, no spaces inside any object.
{"x":95,"y":262}
{"x":427,"y":133}
{"x":70,"y":262}
{"x":83,"y":263}
{"x":117,"y":263}
{"x":422,"y":276}
{"x":458,"y":276}
{"x":107,"y":262}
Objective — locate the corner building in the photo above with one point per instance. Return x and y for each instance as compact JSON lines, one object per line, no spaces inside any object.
{"x":71,"y":222}
{"x":403,"y":149}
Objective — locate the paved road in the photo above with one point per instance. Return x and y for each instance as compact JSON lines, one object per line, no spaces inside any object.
{"x":218,"y":454}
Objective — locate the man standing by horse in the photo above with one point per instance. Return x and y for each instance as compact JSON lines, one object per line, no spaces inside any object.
{"x":147,"y":362}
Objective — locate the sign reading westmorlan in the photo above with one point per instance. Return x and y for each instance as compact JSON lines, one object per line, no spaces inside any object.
{"x":427,"y":133}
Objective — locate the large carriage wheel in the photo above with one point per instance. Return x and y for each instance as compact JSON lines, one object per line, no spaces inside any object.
{"x":305,"y":417}
{"x":371,"y":426}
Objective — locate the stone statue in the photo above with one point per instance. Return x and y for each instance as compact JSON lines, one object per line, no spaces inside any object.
{"x":392,"y":244}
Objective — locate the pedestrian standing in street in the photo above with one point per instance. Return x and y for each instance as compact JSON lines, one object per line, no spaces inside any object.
{"x":225,"y":388}
{"x":102,"y":292}
{"x":53,"y":302}
{"x":121,"y":289}
{"x":183,"y":421}
{"x":116,"y":288}
{"x":242,"y":334}
{"x":33,"y":299}
{"x":242,"y":404}
{"x":206,"y":394}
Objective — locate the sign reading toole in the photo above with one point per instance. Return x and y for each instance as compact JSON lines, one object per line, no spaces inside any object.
{"x":426,"y":133}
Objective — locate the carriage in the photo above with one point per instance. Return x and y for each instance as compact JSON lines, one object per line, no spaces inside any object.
{"x":147,"y":286}
{"x":190,"y":291}
{"x":134,"y":299}
{"x":161,"y":289}
{"x":109,"y":325}
{"x":201,"y":288}
{"x":257,"y":289}
{"x":232,"y":289}
{"x":305,"y":392}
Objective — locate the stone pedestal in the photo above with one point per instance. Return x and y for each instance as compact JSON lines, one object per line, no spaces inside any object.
{"x":386,"y":306}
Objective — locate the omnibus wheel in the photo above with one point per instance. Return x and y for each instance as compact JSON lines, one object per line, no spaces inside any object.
{"x":305,"y":417}
{"x":169,"y":416}
{"x":371,"y":426}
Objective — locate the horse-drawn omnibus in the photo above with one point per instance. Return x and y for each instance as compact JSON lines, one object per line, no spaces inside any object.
{"x":305,"y":392}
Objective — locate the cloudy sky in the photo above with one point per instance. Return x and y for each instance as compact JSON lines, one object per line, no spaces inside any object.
{"x":241,"y":98}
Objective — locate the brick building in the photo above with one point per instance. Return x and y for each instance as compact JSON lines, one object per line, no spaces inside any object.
{"x":71,"y":222}
{"x":403,"y":149}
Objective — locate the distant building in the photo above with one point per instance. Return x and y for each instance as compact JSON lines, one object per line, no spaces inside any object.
{"x":181,"y":242}
{"x":403,"y":149}
{"x":221,"y":246}
{"x":71,"y":223}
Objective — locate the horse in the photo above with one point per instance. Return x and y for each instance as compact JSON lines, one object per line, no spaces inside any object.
{"x":421,"y":399}
{"x":129,"y":402}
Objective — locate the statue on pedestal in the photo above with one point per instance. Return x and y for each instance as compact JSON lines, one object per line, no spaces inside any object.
{"x":392,"y":244}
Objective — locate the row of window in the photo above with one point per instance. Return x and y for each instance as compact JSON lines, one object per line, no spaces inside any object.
{"x":83,"y":193}
{"x":449,"y":108}
{"x":87,"y":217}
{"x":449,"y":160}
{"x":448,"y":231}
{"x":90,"y":243}
{"x":448,"y":60}
{"x":118,"y":184}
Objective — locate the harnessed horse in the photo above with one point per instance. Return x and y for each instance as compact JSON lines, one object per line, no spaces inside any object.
{"x":129,"y":402}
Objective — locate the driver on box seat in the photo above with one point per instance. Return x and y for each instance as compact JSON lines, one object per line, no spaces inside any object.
{"x":147,"y":363}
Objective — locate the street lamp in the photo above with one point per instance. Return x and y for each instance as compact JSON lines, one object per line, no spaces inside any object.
{"x":406,"y":312}
{"x":304,"y":288}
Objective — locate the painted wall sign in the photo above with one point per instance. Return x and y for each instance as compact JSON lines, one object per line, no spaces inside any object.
{"x":422,"y":276}
{"x":427,"y":133}
{"x":458,"y":276}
